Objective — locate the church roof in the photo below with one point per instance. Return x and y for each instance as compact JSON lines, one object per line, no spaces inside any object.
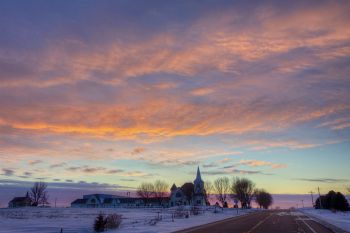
{"x":198,"y":177}
{"x":173,"y":187}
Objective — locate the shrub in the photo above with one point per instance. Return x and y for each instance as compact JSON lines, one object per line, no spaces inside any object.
{"x":100,"y":223}
{"x":333,"y":201}
{"x":153,"y":222}
{"x":113,"y":221}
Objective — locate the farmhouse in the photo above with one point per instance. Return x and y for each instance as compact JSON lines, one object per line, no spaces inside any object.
{"x":20,"y":201}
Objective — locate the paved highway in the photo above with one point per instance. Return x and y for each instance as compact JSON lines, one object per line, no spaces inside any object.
{"x":274,"y":221}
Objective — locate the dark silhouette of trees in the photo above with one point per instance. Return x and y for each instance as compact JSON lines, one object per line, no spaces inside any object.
{"x":334,"y":201}
{"x":263,"y":198}
{"x":38,"y":194}
{"x":188,"y":190}
{"x":100,"y":223}
{"x":221,"y":188}
{"x":208,"y":189}
{"x":243,"y":190}
{"x":145,"y":191}
{"x":104,"y":223}
{"x":160,"y":190}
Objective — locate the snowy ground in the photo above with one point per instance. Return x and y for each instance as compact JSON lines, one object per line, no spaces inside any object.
{"x":78,"y":220}
{"x":339,"y":219}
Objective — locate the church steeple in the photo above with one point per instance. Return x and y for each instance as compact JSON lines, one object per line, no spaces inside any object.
{"x":173,"y":188}
{"x":198,"y":183}
{"x":198,"y":177}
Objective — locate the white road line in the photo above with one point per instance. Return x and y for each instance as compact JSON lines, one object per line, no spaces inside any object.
{"x":308,"y":226}
{"x":259,"y":223}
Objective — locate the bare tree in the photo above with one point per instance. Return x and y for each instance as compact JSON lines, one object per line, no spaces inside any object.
{"x":221,"y":188}
{"x":145,"y":191}
{"x":160,"y":190}
{"x":263,"y":198}
{"x":38,"y":194}
{"x":243,"y":190}
{"x":208,"y":189}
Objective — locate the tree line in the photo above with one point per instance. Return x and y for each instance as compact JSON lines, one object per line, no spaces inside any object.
{"x":240,"y":190}
{"x":158,"y":190}
{"x":38,"y":194}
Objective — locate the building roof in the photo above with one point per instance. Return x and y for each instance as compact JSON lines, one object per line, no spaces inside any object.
{"x":20,"y":199}
{"x":79,"y":201}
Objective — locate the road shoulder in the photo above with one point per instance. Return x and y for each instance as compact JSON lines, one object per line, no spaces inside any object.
{"x":216,"y":222}
{"x":324,"y":223}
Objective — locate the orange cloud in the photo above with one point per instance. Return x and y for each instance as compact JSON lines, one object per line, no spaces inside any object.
{"x":259,"y":163}
{"x":202,"y":91}
{"x":220,"y":48}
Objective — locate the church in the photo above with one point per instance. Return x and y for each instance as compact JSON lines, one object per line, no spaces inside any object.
{"x":187,"y":194}
{"x":178,"y":196}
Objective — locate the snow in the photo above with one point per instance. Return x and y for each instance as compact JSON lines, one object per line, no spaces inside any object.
{"x":338,"y":219}
{"x":78,"y":220}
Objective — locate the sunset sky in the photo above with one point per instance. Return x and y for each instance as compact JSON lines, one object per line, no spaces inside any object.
{"x":109,"y":94}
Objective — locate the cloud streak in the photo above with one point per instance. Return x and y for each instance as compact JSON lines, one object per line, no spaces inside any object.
{"x":324,"y":180}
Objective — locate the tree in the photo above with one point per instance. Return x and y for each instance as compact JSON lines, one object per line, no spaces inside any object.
{"x":221,"y":188}
{"x":100,"y":223}
{"x":188,"y":190}
{"x":263,"y":198}
{"x":38,"y":194}
{"x":160,"y":190}
{"x":208,"y":189}
{"x":243,"y":190}
{"x":145,"y":191}
{"x":333,"y":200}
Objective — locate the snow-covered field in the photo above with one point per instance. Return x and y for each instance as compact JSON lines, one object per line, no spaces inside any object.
{"x":338,"y":219}
{"x":77,"y":220}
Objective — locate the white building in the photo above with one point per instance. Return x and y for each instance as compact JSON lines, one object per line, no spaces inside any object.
{"x":107,"y":201}
{"x":178,"y":197}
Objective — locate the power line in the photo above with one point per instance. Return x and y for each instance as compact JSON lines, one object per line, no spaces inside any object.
{"x":312,"y":197}
{"x":319,"y":194}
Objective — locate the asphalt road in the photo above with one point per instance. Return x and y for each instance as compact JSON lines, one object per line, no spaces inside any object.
{"x":276,"y":221}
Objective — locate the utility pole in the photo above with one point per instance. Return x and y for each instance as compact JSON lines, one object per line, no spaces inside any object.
{"x":312,"y":197}
{"x":319,"y":195}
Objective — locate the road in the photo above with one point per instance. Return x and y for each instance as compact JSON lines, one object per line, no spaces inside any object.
{"x":274,"y":221}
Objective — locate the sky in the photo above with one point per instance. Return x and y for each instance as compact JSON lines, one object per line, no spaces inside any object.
{"x":105,"y":95}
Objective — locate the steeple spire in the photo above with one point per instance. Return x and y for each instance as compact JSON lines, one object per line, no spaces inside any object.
{"x":198,"y":174}
{"x":198,"y":177}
